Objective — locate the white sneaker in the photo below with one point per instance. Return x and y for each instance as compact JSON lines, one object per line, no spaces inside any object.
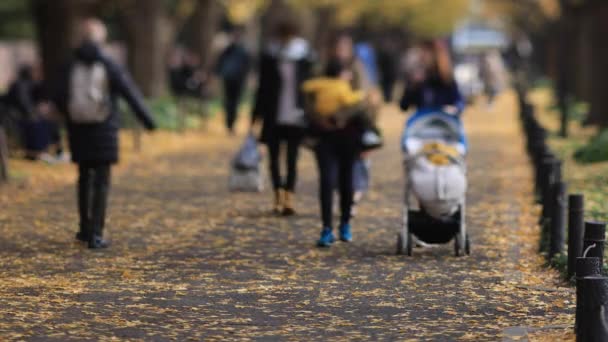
{"x":47,"y":158}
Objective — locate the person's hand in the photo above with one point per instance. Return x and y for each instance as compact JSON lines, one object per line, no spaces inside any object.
{"x":44,"y":109}
{"x":347,"y":75}
{"x":452,"y":110}
{"x":255,"y":128}
{"x":151,"y":127}
{"x":327,"y":124}
{"x":374,"y":98}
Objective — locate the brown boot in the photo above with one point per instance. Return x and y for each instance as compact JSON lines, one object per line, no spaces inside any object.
{"x":278,"y":201}
{"x":288,"y":209}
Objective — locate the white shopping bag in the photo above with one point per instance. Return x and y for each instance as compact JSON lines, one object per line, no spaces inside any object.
{"x":251,"y":180}
{"x":248,"y":157}
{"x":246,"y":174}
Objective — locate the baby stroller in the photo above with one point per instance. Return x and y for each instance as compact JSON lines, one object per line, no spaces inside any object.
{"x":434,"y":146}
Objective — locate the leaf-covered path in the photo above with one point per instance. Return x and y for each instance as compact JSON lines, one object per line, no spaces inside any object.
{"x":190,"y":260}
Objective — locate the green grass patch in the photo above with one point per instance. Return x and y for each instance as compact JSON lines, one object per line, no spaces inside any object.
{"x":595,"y":151}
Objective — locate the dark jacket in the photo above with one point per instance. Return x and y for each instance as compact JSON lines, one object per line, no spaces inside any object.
{"x":233,"y":63}
{"x":432,"y":93}
{"x":22,"y":96}
{"x":98,"y":143}
{"x":184,"y":82}
{"x":269,"y":87}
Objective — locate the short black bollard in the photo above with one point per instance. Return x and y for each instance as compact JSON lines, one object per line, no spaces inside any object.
{"x":544,"y":181}
{"x":585,"y":267}
{"x":591,"y":322}
{"x":558,"y":220}
{"x":544,"y":163}
{"x":576,"y":228}
{"x":595,"y":233}
{"x":551,"y":177}
{"x":549,"y":172}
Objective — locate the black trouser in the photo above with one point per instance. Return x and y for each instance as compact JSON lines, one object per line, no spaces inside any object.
{"x":232,"y":96}
{"x":387,"y":89}
{"x":93,"y":189}
{"x":336,"y":155}
{"x":291,"y":136}
{"x":55,"y":134}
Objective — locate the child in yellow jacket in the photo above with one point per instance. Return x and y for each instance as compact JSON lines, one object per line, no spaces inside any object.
{"x":331,"y":95}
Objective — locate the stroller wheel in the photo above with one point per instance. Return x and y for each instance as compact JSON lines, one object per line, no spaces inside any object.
{"x":404,"y":244}
{"x":400,"y":244}
{"x":460,"y":248}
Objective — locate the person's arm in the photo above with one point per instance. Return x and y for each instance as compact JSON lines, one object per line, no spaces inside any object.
{"x":410,"y":97}
{"x":457,"y":98}
{"x":248,"y":61}
{"x":444,"y":62}
{"x":261,"y":94}
{"x":57,"y":86}
{"x":127,"y":89}
{"x":219,"y":63}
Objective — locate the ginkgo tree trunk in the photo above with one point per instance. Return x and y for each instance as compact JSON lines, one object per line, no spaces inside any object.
{"x":206,"y":19}
{"x":599,"y":57}
{"x":57,"y":29}
{"x":150,"y":34}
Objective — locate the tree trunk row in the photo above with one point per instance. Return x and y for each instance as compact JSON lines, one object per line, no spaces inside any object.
{"x":576,"y":59}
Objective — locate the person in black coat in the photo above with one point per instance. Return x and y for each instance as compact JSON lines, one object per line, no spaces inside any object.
{"x":24,"y":96}
{"x":388,"y":65}
{"x":284,"y":65}
{"x":94,"y":146}
{"x":233,"y":66}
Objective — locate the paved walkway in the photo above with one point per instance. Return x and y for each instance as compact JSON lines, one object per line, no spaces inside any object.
{"x":190,"y":260}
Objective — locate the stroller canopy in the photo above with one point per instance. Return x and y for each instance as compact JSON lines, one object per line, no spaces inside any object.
{"x":433,"y":125}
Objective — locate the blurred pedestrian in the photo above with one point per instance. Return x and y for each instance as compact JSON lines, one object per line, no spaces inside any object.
{"x":284,"y":65}
{"x":388,"y":61}
{"x":87,"y":94}
{"x":340,"y":140}
{"x":233,"y":67}
{"x":493,"y":74}
{"x":38,"y":131}
{"x":432,"y":84}
{"x":185,"y":75}
{"x":358,"y":65}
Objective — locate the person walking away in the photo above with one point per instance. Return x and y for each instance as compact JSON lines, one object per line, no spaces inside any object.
{"x":432,"y":85}
{"x":284,"y":65}
{"x":388,"y":67}
{"x":493,"y":74}
{"x":233,"y":66}
{"x":87,"y":94}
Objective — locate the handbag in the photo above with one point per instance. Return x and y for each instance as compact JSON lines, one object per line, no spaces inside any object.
{"x":371,"y":139}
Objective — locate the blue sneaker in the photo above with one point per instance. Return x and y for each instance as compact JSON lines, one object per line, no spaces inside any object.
{"x":327,"y":238}
{"x":345,"y":234}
